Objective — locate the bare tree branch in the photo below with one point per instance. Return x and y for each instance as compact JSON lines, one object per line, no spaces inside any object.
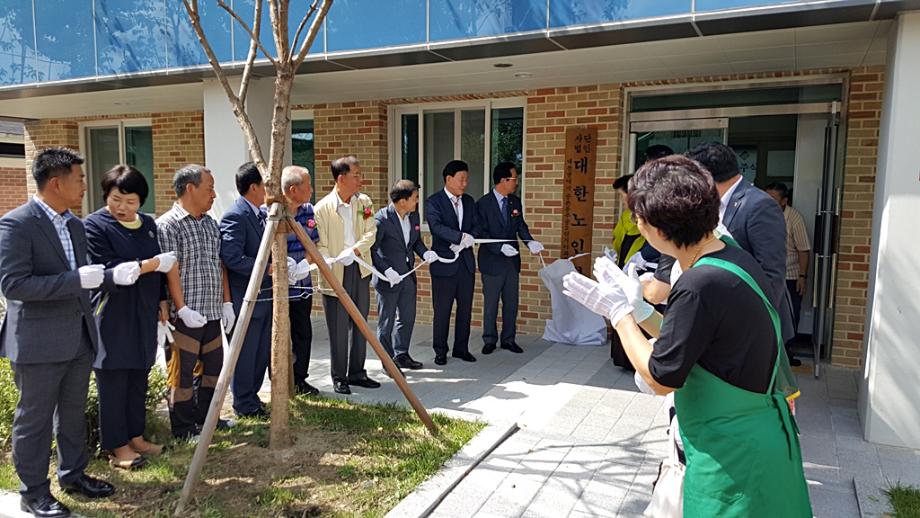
{"x":255,"y":150}
{"x":255,"y":38}
{"x":311,"y":34}
{"x":251,"y":56}
{"x":300,"y":27}
{"x":279,"y":12}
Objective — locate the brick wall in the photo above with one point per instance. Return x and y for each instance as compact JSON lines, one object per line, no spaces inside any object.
{"x":12,"y":188}
{"x":178,"y":139}
{"x":863,"y":120}
{"x":47,"y":133}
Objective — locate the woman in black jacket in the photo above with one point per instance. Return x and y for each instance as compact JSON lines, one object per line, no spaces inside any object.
{"x":128,"y":315}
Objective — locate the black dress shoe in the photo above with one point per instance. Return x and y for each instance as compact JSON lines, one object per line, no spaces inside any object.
{"x":440,"y":359}
{"x":45,"y":507}
{"x":304,"y":388}
{"x":89,"y":487}
{"x":406,"y":362}
{"x":341,"y":387}
{"x":513,"y":347}
{"x":364,"y":382}
{"x":467,"y":357}
{"x":488,"y":348}
{"x":260,"y":414}
{"x":795,"y":362}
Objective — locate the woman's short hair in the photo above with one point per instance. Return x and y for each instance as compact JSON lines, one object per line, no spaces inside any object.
{"x":127,"y":180}
{"x":678,"y":197}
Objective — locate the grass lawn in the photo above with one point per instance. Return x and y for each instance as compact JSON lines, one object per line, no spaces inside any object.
{"x":347,"y":460}
{"x":905,"y":501}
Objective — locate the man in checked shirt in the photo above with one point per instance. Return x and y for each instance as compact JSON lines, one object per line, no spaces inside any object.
{"x":200,"y":298}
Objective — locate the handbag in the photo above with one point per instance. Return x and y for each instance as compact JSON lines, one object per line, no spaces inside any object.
{"x":668,"y":489}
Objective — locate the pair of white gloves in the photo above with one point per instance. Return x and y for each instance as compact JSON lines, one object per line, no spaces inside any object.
{"x":466,"y":241}
{"x":194,"y":319}
{"x":394,"y":278}
{"x":614,"y":294}
{"x":124,"y":274}
{"x":297,"y":270}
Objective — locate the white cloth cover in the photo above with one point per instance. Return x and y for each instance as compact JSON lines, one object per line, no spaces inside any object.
{"x":572,"y":323}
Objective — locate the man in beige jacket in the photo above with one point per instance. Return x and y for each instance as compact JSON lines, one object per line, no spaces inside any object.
{"x":345,"y":221}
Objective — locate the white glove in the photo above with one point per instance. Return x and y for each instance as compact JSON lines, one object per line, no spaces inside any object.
{"x":91,"y":276}
{"x":466,"y":241}
{"x":126,"y":274}
{"x":164,"y":333}
{"x":637,"y":260}
{"x":608,"y":273}
{"x":291,"y":263}
{"x":604,"y":299}
{"x":191,"y":318}
{"x":227,"y":317}
{"x":509,"y":250}
{"x":456,"y":248}
{"x":167,"y":261}
{"x":299,"y":271}
{"x":610,"y":254}
{"x":347,"y":257}
{"x":430,"y":256}
{"x":393,"y":277}
{"x":535,"y":247}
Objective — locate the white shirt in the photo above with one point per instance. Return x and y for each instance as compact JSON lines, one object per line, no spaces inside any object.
{"x":458,"y":206}
{"x":406,"y":227}
{"x":344,"y":211}
{"x":723,"y":202}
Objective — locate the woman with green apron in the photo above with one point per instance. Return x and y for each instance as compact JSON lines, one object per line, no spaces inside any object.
{"x":718,"y":350}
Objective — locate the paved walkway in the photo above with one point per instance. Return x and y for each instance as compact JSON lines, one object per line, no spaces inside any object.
{"x":590,"y":443}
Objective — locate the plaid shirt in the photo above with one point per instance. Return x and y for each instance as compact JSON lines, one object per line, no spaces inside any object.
{"x":60,"y":226}
{"x":296,"y":250}
{"x":796,"y":241}
{"x":197,"y":246}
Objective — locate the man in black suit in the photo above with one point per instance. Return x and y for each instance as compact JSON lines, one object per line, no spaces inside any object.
{"x":501,"y":216}
{"x":49,"y":334}
{"x":452,"y":220}
{"x":398,"y":240}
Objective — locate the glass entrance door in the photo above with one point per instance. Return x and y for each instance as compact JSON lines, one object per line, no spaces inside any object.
{"x":679,"y":135}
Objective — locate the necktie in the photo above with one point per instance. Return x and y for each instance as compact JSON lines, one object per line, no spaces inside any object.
{"x":505,"y":213}
{"x":262,"y":217}
{"x":456,"y":202}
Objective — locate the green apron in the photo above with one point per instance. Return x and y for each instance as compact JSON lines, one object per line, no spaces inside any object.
{"x":742,"y":447}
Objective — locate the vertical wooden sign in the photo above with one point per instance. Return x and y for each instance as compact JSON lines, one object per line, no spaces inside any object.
{"x":578,"y":195}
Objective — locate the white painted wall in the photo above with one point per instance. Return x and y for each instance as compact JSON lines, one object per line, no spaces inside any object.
{"x":889,"y":393}
{"x":225,"y":147}
{"x":809,"y":163}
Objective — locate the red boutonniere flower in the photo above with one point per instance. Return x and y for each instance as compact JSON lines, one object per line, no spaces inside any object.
{"x":367,"y":212}
{"x":515,"y":213}
{"x":311,"y":224}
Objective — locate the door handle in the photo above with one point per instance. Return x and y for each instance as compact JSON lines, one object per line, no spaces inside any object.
{"x":831,"y":290}
{"x":814,"y":283}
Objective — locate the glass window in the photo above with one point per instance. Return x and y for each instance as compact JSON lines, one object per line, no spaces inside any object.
{"x":130,"y":36}
{"x":65,"y":39}
{"x":17,"y":40}
{"x":184,"y":49}
{"x":714,"y":5}
{"x":409,"y":147}
{"x":139,"y":153}
{"x":508,"y":140}
{"x":108,"y":146}
{"x":741,"y":97}
{"x":438,"y":149}
{"x":367,"y":24}
{"x":579,"y":12}
{"x":303,"y":152}
{"x":460,"y":19}
{"x":473,"y":148}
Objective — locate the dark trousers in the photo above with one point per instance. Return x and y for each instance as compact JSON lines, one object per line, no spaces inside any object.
{"x":396,"y":308}
{"x":52,"y":397}
{"x":122,"y":405}
{"x":796,"y":303}
{"x":444,"y":291}
{"x":502,"y":287}
{"x":255,"y":356}
{"x":301,"y":337}
{"x":348,"y":361}
{"x":192,"y":346}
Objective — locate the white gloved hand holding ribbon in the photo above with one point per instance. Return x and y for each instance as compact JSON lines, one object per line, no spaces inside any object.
{"x":166,"y":261}
{"x":509,"y":251}
{"x":430,"y":256}
{"x":604,"y":299}
{"x":126,"y":274}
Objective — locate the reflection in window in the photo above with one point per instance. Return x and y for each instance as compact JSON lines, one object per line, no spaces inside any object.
{"x":139,"y":153}
{"x":130,"y":36}
{"x":302,"y":149}
{"x":184,"y":49}
{"x":580,"y":12}
{"x":364,"y":24}
{"x":459,"y":19}
{"x":17,"y":55}
{"x":65,"y":39}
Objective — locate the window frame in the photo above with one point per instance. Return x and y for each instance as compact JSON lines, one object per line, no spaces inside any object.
{"x":394,"y":131}
{"x":93,"y":176}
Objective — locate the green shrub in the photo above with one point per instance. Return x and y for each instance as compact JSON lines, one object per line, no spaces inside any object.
{"x":9,"y":396}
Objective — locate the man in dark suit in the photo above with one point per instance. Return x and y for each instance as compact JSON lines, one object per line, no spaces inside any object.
{"x":241,"y":231}
{"x":46,"y":280}
{"x":501,"y":216}
{"x":755,"y":221}
{"x":398,"y":240}
{"x":452,"y":220}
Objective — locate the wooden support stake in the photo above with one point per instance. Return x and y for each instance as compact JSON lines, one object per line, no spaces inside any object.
{"x":365,"y":329}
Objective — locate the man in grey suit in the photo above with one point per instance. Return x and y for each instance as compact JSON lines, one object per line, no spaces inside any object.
{"x":45,"y":278}
{"x":398,"y":239}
